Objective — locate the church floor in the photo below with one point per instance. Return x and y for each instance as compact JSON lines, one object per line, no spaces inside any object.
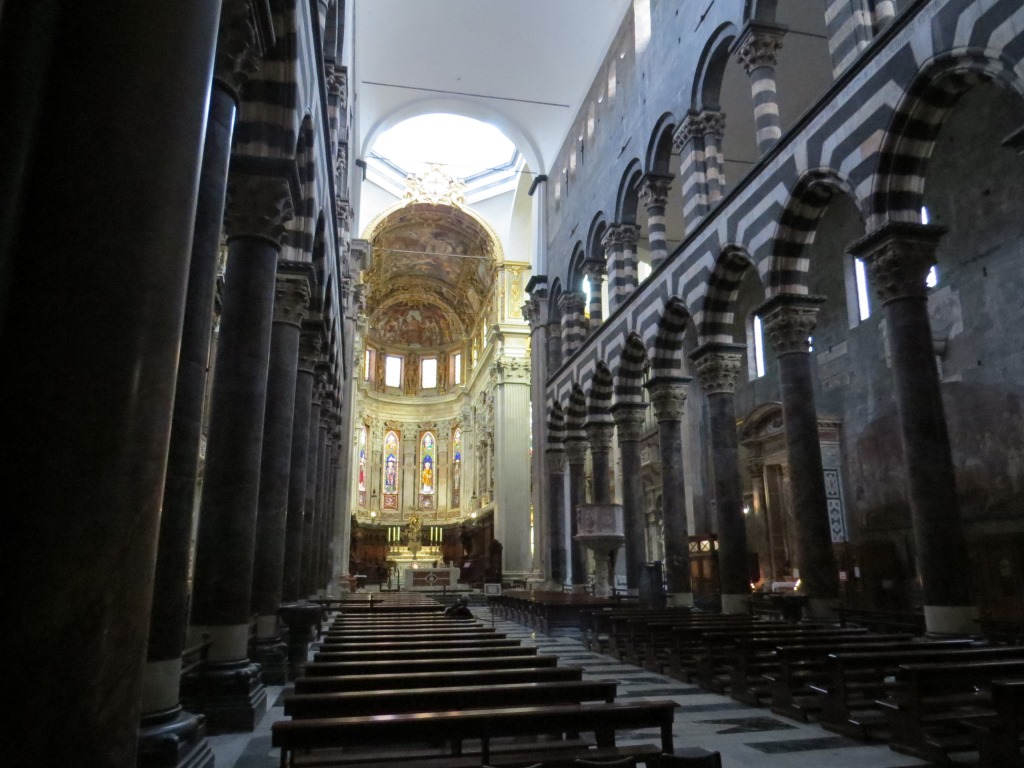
{"x":746,"y":736}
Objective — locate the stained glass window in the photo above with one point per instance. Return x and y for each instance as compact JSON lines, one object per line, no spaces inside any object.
{"x":427,"y":463}
{"x":391,"y":470}
{"x":456,"y":466}
{"x":362,"y":466}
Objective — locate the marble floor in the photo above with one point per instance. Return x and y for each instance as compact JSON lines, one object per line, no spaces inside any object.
{"x":747,"y":737}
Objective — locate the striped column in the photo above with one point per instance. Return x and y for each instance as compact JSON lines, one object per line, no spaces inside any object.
{"x":573,"y":335}
{"x":620,"y":247}
{"x":712,"y":125}
{"x":885,"y":12}
{"x":849,"y":31}
{"x":757,"y":52}
{"x":688,"y":143}
{"x":629,"y":234}
{"x":654,"y":197}
{"x":595,"y":271}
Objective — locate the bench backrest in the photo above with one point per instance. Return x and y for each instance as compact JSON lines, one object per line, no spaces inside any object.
{"x":503,"y":661}
{"x":399,"y":653}
{"x":479,"y":677}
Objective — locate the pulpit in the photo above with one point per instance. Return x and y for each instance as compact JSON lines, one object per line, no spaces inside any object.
{"x":600,"y":529}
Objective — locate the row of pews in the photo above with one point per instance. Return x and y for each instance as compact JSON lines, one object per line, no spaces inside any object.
{"x":928,"y":697}
{"x":417,"y":687}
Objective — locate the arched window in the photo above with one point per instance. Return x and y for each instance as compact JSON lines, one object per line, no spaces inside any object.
{"x":427,"y":477}
{"x":362,"y":466}
{"x":391,"y":470}
{"x":456,"y":467}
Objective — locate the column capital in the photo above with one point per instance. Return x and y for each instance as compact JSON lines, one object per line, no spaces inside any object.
{"x":711,"y":123}
{"x":617,"y":236}
{"x":899,"y":255}
{"x":239,"y":45}
{"x":629,"y":418}
{"x":291,"y":296}
{"x":759,"y":45}
{"x":687,"y":130}
{"x":654,"y":189}
{"x":576,"y":451}
{"x":554,"y":459}
{"x":309,"y":349}
{"x":535,"y":311}
{"x":258,"y":205}
{"x":789,"y":320}
{"x":668,"y":396}
{"x":599,"y":434}
{"x":595,"y":270}
{"x":572,"y":301}
{"x":755,"y":466}
{"x":718,"y":364}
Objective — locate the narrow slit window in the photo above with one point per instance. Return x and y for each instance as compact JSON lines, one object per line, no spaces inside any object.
{"x":758,"y":347}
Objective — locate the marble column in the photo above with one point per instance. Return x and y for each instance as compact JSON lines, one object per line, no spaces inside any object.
{"x":291,"y":303}
{"x":576,"y":453}
{"x":536,"y":312}
{"x":619,"y":243}
{"x":755,"y":468}
{"x":712,"y":128}
{"x":554,"y":345}
{"x":169,"y":736}
{"x":654,"y":191}
{"x":668,"y":396}
{"x":554,"y":458}
{"x":757,"y":51}
{"x":319,"y":506}
{"x":629,"y":422}
{"x":688,"y":143}
{"x":599,"y":429}
{"x":717,"y":366}
{"x":573,"y":335}
{"x":94,"y":293}
{"x":512,"y":454}
{"x":789,"y":321}
{"x":309,"y":353}
{"x":595,"y":272}
{"x":899,"y":256}
{"x":309,"y":500}
{"x":228,"y":689}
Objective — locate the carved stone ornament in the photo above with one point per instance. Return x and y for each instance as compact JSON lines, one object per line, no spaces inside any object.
{"x":629,"y":418}
{"x":654,"y":190}
{"x":595,"y":270}
{"x":899,"y":256}
{"x":309,"y":350}
{"x":434,"y":185}
{"x":535,"y":311}
{"x":717,"y":367}
{"x":712,"y":124}
{"x":599,"y":434}
{"x":291,"y":299}
{"x":238,"y":48}
{"x":668,"y":396}
{"x":572,"y":302}
{"x":689,"y":129}
{"x":576,"y":451}
{"x":258,"y":206}
{"x":759,"y":47}
{"x":789,"y":321}
{"x":554,"y":459}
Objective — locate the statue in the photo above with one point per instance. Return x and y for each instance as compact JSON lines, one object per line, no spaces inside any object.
{"x":427,"y":477}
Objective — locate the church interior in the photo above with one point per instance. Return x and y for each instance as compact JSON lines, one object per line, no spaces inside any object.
{"x":672,"y":341}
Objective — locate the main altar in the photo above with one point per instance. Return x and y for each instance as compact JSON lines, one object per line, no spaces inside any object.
{"x":416,"y":565}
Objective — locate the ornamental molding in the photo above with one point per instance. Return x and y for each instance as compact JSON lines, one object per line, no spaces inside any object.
{"x":668,"y":396}
{"x":759,"y":46}
{"x":435,"y":186}
{"x":789,"y":320}
{"x":899,"y":256}
{"x":717,"y":366}
{"x":654,"y":190}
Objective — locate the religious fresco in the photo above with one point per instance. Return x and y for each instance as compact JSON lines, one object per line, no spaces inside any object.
{"x":362,"y":466}
{"x":391,"y":470}
{"x":416,"y":324}
{"x":427,"y":460}
{"x":456,"y":466}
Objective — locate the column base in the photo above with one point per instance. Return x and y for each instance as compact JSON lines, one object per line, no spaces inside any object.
{"x":680,"y":599}
{"x":303,"y":622}
{"x":271,"y":653}
{"x":173,"y":739}
{"x":736,"y":603}
{"x":951,"y":620}
{"x":231,"y":695}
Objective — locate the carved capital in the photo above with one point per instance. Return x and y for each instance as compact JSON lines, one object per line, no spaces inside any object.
{"x":629,"y":418}
{"x":535,"y":311}
{"x":654,"y":189}
{"x":712,"y":124}
{"x":789,"y":321}
{"x":619,"y":237}
{"x":755,"y":467}
{"x":717,"y":366}
{"x":595,"y":270}
{"x":572,"y":302}
{"x":689,"y":129}
{"x":899,"y":256}
{"x":238,"y":44}
{"x":309,"y":350}
{"x":258,"y":206}
{"x":576,"y":451}
{"x":668,"y":396}
{"x":759,"y":46}
{"x":291,"y":298}
{"x":554,"y":460}
{"x":599,"y":434}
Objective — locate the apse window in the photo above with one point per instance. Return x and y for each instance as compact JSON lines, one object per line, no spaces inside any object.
{"x":457,"y":368}
{"x":428,"y":373}
{"x":392,"y":371}
{"x":368,"y":362}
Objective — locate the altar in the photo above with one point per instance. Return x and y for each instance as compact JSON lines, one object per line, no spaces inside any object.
{"x":429,"y":579}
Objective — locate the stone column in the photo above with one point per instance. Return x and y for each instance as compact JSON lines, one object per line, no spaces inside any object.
{"x":554,"y":345}
{"x":228,"y":690}
{"x":168,"y":735}
{"x":899,"y":255}
{"x":629,"y":421}
{"x":595,"y":271}
{"x":668,"y":396}
{"x":309,"y":353}
{"x":755,"y":468}
{"x":94,"y":293}
{"x":654,"y":191}
{"x":717,"y":366}
{"x":712,"y":127}
{"x":555,"y":464}
{"x":512,"y":454}
{"x":688,"y":142}
{"x":573,"y":335}
{"x":599,"y":429}
{"x":290,"y":306}
{"x":757,"y":51}
{"x":576,"y":452}
{"x":535,"y":311}
{"x":789,"y":321}
{"x":309,"y":496}
{"x":312,"y":568}
{"x":619,"y":243}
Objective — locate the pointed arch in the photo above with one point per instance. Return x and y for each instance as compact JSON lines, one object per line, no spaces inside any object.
{"x":719,"y":297}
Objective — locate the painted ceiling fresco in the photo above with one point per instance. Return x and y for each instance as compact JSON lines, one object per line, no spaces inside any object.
{"x":431,"y":275}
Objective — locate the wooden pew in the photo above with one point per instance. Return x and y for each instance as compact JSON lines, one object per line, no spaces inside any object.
{"x":344,"y":642}
{"x":653,"y":639}
{"x":478,"y":677}
{"x":999,"y":735}
{"x":804,"y":665}
{"x":927,"y":706}
{"x":504,"y":661}
{"x":855,"y":680}
{"x":400,"y":653}
{"x":362,"y":635}
{"x":881,"y":621}
{"x":596,"y":624}
{"x":298,"y":736}
{"x":475,"y":696}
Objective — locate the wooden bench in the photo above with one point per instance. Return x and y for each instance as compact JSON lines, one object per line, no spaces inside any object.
{"x":479,"y":677}
{"x":929,"y":703}
{"x":402,"y":623}
{"x":603,"y":720}
{"x":855,"y":680}
{"x":653,"y":640}
{"x":335,"y":668}
{"x":998,"y":736}
{"x":399,"y":653}
{"x":881,"y":621}
{"x":361,"y":635}
{"x":801,"y":666}
{"x":453,"y":697}
{"x":596,"y":624}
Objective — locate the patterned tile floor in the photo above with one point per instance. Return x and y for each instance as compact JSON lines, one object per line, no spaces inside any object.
{"x":746,"y":736}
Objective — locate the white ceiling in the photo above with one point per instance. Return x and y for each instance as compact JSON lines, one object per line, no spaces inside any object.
{"x":522,"y":65}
